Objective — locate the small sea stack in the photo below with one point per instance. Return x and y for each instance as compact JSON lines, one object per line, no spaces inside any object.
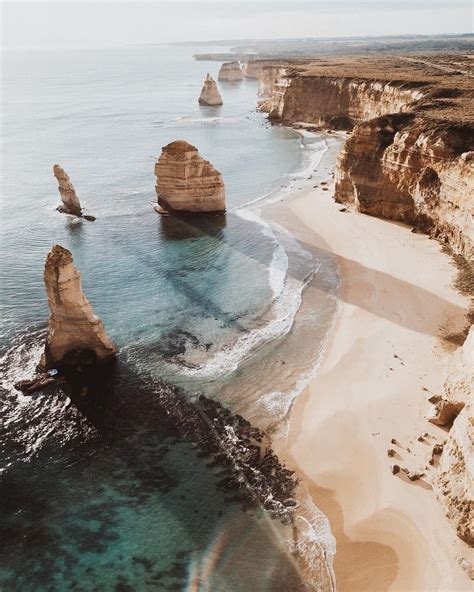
{"x":231,"y":72}
{"x":210,"y":94}
{"x":70,"y":202}
{"x":186,"y":182}
{"x":73,"y":326}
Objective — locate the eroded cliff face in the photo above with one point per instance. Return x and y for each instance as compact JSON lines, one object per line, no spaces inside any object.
{"x":269,"y":76}
{"x":186,"y":182}
{"x":339,"y":103}
{"x":73,"y":326}
{"x":253,"y":68}
{"x":398,"y":163}
{"x":454,"y":483}
{"x":405,"y":168}
{"x":258,"y":67}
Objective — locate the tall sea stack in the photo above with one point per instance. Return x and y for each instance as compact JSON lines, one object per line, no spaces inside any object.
{"x":73,"y":326}
{"x":186,"y":182}
{"x":71,"y":204}
{"x":209,"y":94}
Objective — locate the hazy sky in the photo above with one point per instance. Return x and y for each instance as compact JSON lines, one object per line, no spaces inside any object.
{"x":36,"y":23}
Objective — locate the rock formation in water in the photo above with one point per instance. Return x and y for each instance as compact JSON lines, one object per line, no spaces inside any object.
{"x":454,"y":482}
{"x":210,"y":94}
{"x":230,"y":72}
{"x":73,"y":326}
{"x":71,"y":204}
{"x":186,"y":182}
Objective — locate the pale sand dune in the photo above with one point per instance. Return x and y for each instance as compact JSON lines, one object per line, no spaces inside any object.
{"x":396,"y":298}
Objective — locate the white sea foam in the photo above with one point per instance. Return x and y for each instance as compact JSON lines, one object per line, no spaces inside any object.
{"x":186,"y":120}
{"x":19,"y":363}
{"x":279,"y":263}
{"x":279,"y":403}
{"x":287,"y":291}
{"x":229,"y":358}
{"x":314,"y":535}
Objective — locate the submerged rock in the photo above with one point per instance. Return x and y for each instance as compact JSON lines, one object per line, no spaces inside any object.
{"x":73,"y":326}
{"x":71,"y":204}
{"x":186,"y":182}
{"x":37,"y":383}
{"x":231,"y":72}
{"x":209,"y":94}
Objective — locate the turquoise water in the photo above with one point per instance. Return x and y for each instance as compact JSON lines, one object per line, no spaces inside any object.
{"x":120,"y":494}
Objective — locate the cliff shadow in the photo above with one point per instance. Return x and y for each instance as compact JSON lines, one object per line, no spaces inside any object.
{"x":398,"y":301}
{"x":175,"y":227}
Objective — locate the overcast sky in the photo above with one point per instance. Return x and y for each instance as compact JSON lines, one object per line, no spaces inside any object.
{"x":103,"y":23}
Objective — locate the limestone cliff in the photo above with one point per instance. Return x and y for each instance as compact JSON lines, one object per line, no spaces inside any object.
{"x":209,"y":94}
{"x":403,"y":167}
{"x":254,"y":68}
{"x":230,"y":72}
{"x":269,"y":76}
{"x":410,"y":155}
{"x":73,"y":326}
{"x":454,"y":483}
{"x":71,"y":204}
{"x":186,"y":182}
{"x":337,"y":102}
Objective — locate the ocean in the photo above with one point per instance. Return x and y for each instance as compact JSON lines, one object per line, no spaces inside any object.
{"x":219,"y":322}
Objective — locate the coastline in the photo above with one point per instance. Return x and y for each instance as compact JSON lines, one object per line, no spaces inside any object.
{"x":384,"y":356}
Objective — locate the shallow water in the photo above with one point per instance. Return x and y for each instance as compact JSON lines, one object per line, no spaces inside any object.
{"x":208,"y":305}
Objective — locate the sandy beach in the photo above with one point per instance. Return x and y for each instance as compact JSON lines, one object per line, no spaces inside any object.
{"x":385,"y":356}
